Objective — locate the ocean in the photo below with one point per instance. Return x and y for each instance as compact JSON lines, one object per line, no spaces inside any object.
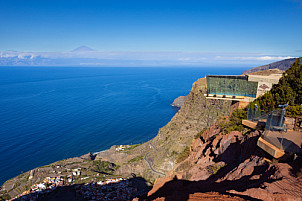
{"x":53,"y":113}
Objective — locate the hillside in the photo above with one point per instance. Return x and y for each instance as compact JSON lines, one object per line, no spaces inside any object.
{"x":226,"y":159}
{"x":149,"y":160}
{"x":229,"y":164}
{"x":281,"y":65}
{"x":172,"y":140}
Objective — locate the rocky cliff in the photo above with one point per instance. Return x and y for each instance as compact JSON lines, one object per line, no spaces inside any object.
{"x":163,"y":151}
{"x":229,"y":164}
{"x":178,"y":102}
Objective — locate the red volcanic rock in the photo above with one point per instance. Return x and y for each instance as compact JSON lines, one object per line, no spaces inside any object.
{"x":211,"y":196}
{"x":245,"y":174}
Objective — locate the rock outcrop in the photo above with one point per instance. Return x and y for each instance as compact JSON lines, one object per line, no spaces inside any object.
{"x":230,"y":164}
{"x":178,"y":102}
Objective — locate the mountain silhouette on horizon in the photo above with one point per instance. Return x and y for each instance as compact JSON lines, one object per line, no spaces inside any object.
{"x":83,"y":49}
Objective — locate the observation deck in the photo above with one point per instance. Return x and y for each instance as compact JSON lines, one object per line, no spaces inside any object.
{"x":243,"y":88}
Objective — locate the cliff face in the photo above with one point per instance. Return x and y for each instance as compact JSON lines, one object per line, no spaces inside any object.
{"x":196,"y":114}
{"x":151,"y":159}
{"x":161,"y":153}
{"x":178,"y":102}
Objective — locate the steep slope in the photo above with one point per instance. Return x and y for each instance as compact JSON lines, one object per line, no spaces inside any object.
{"x":282,"y":65}
{"x":151,"y":159}
{"x":231,"y":165}
{"x":163,"y":151}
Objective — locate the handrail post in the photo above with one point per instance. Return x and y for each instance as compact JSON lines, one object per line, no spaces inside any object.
{"x":256,"y":109}
{"x":283,"y":111}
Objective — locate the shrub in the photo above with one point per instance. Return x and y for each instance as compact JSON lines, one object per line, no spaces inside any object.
{"x":198,"y":135}
{"x":213,"y":169}
{"x":293,"y":111}
{"x":183,"y":155}
{"x":287,"y":91}
{"x":234,"y":123}
{"x":104,"y":166}
{"x":174,"y":153}
{"x":137,"y":158}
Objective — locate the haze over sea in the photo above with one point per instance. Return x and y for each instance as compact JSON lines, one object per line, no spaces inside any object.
{"x":52,"y":113}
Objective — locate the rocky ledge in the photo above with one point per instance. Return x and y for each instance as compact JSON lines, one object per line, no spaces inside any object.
{"x":229,"y":164}
{"x":178,"y":102}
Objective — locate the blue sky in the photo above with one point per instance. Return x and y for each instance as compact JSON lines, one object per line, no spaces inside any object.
{"x":265,"y":27}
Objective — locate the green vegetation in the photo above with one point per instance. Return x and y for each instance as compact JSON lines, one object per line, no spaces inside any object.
{"x":131,"y":147}
{"x":234,"y":123}
{"x":138,"y":158}
{"x":213,"y":169}
{"x":183,"y":155}
{"x":198,"y":135}
{"x":174,"y":153}
{"x":4,"y":196}
{"x":45,"y":166}
{"x":293,"y":111}
{"x":104,"y":167}
{"x":287,"y":91}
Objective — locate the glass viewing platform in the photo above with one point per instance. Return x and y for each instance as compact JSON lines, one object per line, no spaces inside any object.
{"x":231,"y":86}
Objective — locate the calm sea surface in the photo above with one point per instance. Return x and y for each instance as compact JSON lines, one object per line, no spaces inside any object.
{"x":52,"y":113}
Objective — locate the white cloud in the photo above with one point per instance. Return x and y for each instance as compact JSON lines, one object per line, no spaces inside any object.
{"x":156,"y":58}
{"x":264,"y":58}
{"x":273,"y":58}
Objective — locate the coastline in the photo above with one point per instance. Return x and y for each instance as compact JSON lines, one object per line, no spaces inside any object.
{"x":96,"y":153}
{"x":99,"y":155}
{"x":131,"y":159}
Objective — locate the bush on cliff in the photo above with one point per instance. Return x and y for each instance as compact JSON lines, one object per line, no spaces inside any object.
{"x":183,"y":155}
{"x":234,"y":123}
{"x":104,"y":167}
{"x":288,"y":90}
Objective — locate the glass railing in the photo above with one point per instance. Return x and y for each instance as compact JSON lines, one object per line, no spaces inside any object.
{"x":256,"y":115}
{"x":277,"y":134}
{"x":231,"y":85}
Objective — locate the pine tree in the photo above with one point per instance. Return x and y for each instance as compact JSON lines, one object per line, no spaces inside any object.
{"x":288,"y":90}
